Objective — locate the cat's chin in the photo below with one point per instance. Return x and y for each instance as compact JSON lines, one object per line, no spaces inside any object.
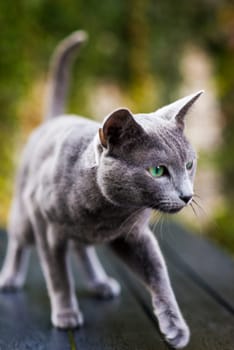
{"x":174,"y":210}
{"x":168,"y":210}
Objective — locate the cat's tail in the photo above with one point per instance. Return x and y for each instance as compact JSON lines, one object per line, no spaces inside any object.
{"x":59,"y":73}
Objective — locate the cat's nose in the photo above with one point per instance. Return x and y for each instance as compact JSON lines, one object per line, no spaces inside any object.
{"x":185,"y":199}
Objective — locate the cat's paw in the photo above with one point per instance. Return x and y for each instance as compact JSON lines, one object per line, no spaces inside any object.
{"x":67,"y":319}
{"x":174,"y":329}
{"x":10,"y":283}
{"x":107,"y":289}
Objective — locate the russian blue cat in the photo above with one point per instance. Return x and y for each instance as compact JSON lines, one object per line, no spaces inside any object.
{"x":82,"y":183}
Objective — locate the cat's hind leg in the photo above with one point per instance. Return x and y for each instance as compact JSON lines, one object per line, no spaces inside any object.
{"x":20,"y":236}
{"x":99,"y":283}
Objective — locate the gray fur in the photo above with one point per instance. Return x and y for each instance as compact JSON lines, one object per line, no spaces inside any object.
{"x":88,"y":183}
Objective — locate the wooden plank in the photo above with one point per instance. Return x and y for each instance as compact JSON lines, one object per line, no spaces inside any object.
{"x":212,"y":268}
{"x":124,"y":323}
{"x":211,"y":324}
{"x":115,"y":324}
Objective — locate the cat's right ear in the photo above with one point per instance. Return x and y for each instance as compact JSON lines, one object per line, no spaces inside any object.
{"x":118,"y":128}
{"x":177,"y":111}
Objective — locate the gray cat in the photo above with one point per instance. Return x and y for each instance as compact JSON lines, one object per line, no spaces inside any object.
{"x":82,"y":183}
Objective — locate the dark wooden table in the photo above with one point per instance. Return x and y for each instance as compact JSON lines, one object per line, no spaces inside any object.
{"x":203,"y":279}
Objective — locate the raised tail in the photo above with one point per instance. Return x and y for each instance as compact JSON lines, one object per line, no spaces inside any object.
{"x":59,"y":73}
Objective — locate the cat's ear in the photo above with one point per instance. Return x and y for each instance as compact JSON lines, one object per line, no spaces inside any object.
{"x":118,"y":128}
{"x":177,"y":110}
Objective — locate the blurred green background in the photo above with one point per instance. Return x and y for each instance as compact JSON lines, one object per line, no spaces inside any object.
{"x":141,"y":54}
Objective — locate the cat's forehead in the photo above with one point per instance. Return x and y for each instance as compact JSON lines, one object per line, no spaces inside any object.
{"x":148,"y":121}
{"x":151,"y":122}
{"x":171,"y":144}
{"x":165,"y":140}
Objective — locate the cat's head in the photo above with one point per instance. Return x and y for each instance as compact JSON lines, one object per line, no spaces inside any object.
{"x":145,"y":160}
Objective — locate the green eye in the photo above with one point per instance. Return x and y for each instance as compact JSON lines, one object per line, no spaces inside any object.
{"x":189,"y":165}
{"x":157,"y":171}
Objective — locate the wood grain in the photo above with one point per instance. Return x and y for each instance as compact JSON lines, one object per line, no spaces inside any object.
{"x":202,"y":277}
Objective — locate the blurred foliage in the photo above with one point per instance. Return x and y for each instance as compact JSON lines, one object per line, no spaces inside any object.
{"x":222,"y":228}
{"x":135,"y":43}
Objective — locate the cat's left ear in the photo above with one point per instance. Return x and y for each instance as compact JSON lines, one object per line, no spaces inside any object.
{"x":119,"y":128}
{"x":177,"y":110}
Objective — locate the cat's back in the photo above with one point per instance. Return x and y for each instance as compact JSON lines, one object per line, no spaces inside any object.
{"x":59,"y":142}
{"x":63,"y":128}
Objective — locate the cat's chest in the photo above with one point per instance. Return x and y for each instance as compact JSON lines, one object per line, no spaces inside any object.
{"x":103,"y":225}
{"x":96,"y":227}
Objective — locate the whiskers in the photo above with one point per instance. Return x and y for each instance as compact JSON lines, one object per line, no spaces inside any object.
{"x":199,"y":212}
{"x":197,"y":207}
{"x":158,"y":220}
{"x":134,"y":219}
{"x":193,"y":209}
{"x":129,"y":218}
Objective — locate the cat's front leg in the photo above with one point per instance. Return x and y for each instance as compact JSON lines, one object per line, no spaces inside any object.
{"x":142,"y":253}
{"x":52,"y":251}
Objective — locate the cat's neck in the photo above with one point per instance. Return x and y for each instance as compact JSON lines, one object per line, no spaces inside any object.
{"x":90,"y":199}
